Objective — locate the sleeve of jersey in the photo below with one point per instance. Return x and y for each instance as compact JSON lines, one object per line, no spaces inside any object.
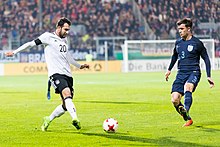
{"x":25,"y":46}
{"x":206,"y":59}
{"x":72,"y":61}
{"x":42,"y":39}
{"x":173,"y":59}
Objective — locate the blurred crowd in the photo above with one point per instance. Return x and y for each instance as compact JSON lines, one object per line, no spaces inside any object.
{"x":162,"y":15}
{"x":20,"y":18}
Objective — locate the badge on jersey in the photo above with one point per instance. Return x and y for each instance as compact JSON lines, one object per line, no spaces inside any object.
{"x":190,"y":48}
{"x":57,"y":82}
{"x":177,"y":46}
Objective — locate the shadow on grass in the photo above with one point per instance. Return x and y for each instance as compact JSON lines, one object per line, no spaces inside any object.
{"x":110,"y":102}
{"x":163,"y":141}
{"x":209,"y":127}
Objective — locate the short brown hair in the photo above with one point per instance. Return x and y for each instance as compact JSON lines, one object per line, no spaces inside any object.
{"x":186,"y":21}
{"x":62,"y":21}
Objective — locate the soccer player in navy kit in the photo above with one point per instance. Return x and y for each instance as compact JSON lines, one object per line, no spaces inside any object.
{"x":187,"y":51}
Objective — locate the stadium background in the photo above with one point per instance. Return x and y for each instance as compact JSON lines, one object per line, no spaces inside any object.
{"x":97,"y":21}
{"x":139,"y":101}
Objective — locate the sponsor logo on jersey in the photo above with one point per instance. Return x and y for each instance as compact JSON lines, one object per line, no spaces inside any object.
{"x":190,"y":48}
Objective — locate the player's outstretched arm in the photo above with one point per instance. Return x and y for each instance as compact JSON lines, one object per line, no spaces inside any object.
{"x":23,"y":47}
{"x":211,"y":82}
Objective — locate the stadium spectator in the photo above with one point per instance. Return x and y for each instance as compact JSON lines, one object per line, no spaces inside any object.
{"x":96,"y":15}
{"x":157,"y":12}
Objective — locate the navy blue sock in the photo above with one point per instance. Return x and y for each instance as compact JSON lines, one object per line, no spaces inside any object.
{"x":188,"y":100}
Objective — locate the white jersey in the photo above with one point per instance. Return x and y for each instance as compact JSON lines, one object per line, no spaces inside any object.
{"x":57,"y":57}
{"x":56,"y":54}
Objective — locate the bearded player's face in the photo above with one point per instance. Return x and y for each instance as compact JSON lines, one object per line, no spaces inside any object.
{"x":64,"y":30}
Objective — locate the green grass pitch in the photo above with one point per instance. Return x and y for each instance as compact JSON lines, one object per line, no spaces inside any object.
{"x":139,"y":101}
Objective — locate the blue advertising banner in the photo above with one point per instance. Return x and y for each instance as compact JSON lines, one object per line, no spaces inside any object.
{"x":39,"y":57}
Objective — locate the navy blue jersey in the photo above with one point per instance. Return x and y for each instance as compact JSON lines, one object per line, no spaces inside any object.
{"x":188,"y":53}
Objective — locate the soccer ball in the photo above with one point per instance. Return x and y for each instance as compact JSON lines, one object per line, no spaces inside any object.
{"x":110,"y":125}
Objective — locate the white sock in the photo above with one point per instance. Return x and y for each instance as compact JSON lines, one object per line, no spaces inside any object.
{"x":71,"y":108}
{"x":57,"y":112}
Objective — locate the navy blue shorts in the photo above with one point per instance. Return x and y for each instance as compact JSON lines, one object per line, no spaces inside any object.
{"x":183,"y":78}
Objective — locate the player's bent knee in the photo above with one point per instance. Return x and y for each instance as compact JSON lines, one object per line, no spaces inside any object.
{"x":66,"y":92}
{"x":175,"y":97}
{"x":174,"y":101}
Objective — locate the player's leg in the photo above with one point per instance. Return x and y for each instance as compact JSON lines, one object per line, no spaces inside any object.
{"x":63,"y":86}
{"x":176,"y":100}
{"x":68,"y":95}
{"x":188,"y":96}
{"x":177,"y":93}
{"x":58,"y":111}
{"x":190,"y":86}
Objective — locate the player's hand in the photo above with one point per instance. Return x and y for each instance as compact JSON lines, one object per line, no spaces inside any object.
{"x":9,"y":54}
{"x":211,"y":82}
{"x":167,"y":74}
{"x":84,"y":66}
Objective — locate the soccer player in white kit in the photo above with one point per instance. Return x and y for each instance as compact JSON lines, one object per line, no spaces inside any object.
{"x":58,"y":62}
